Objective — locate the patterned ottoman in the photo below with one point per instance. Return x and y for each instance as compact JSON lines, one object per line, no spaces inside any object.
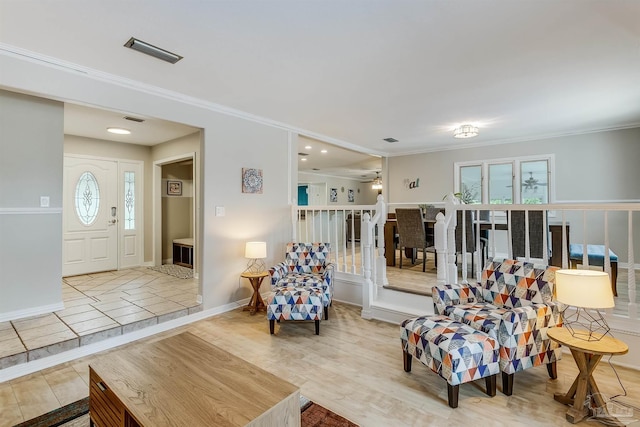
{"x":295,"y":303}
{"x":453,"y":350}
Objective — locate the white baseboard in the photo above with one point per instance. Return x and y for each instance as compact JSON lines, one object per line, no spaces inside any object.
{"x":28,"y":312}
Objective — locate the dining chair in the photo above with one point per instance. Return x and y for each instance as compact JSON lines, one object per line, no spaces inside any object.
{"x":536,"y":233}
{"x":411,"y":233}
{"x":470,"y":239}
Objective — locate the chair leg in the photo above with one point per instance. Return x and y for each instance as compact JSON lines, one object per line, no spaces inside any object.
{"x":552,"y":370}
{"x":326,"y":312}
{"x":452,"y":395}
{"x":272,"y":325}
{"x":507,"y":384}
{"x":401,"y":249}
{"x":406,"y":359}
{"x":317,"y":327}
{"x":614,"y":278}
{"x":424,"y":259}
{"x":490,"y":382}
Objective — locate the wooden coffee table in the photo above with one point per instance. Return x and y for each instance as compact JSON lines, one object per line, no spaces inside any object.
{"x":185,"y":381}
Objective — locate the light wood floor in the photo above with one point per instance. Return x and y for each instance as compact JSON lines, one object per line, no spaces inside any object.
{"x":354,"y":367}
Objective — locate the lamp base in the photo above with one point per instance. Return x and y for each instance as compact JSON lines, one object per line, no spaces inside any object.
{"x":255,"y":265}
{"x":587,"y":325}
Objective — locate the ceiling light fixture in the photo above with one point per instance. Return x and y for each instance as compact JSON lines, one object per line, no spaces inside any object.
{"x":465,"y":131}
{"x":119,"y":131}
{"x":152,"y":50}
{"x":323,"y":151}
{"x":308,"y":147}
{"x":377,"y":182}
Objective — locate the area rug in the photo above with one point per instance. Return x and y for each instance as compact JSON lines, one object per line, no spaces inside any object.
{"x":76,"y":414}
{"x":175,"y":270}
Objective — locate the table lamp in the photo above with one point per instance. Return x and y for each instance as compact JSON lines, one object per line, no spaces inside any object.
{"x":255,"y":252}
{"x":587,"y":291}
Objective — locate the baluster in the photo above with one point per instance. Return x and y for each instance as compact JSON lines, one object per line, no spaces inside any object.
{"x":585,"y":254}
{"x":545,"y":236}
{"x":606,"y":266}
{"x":631,"y":281}
{"x":353,"y":241}
{"x":527,"y":243}
{"x":344,"y":253}
{"x":565,"y":245}
{"x":463,"y":246}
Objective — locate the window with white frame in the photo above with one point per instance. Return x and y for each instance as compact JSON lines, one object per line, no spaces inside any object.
{"x":521,"y":180}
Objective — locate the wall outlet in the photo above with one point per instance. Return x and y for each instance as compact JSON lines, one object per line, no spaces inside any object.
{"x":220,"y":211}
{"x":44,"y":201}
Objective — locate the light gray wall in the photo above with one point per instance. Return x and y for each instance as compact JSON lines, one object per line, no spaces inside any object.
{"x":365,"y":196}
{"x":229,"y":144}
{"x":595,"y":167}
{"x":177,"y":211}
{"x":590,"y":167}
{"x":31,"y":158}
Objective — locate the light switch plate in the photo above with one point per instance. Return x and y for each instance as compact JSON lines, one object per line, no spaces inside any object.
{"x":44,"y":201}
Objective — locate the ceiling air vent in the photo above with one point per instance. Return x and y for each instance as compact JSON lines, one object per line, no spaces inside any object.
{"x":303,"y":154}
{"x":390,"y":140}
{"x":134,"y":119}
{"x":152,"y":50}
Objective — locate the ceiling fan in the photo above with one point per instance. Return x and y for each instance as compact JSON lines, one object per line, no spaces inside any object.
{"x":531,"y":183}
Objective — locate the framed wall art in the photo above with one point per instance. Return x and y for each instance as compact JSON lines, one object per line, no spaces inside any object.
{"x":351,"y":197}
{"x":252,"y":180}
{"x":174,"y":188}
{"x":333,"y":195}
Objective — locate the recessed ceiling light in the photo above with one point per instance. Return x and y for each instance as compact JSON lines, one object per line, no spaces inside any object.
{"x":303,"y":159}
{"x":323,"y":151}
{"x":152,"y":50}
{"x":308,"y":147}
{"x":119,"y":131}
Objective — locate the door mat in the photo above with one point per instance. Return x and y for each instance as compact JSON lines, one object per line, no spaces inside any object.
{"x":76,"y":414}
{"x":174,"y":270}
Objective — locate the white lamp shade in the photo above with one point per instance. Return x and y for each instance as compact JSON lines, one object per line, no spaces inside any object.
{"x":584,"y":288}
{"x":255,"y":250}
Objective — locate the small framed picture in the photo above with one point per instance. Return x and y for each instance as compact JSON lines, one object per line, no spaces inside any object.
{"x":333,"y":195}
{"x":350,"y":196}
{"x":252,"y":180}
{"x":174,"y":188}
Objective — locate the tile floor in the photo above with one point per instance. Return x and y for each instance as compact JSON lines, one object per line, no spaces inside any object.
{"x":98,"y":306}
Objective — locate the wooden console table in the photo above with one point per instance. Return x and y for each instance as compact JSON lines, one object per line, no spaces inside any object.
{"x":185,"y":381}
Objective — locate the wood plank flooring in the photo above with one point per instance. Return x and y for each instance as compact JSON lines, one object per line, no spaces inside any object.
{"x":354,"y":368}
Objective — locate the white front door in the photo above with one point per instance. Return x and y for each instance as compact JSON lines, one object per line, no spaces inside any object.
{"x":90,"y":212}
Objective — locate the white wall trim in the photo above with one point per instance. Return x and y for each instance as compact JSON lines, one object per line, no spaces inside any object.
{"x":86,"y":350}
{"x":30,"y":211}
{"x":32,"y":311}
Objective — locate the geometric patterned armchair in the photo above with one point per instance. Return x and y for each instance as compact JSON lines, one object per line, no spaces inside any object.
{"x":514,"y":304}
{"x":306,"y":265}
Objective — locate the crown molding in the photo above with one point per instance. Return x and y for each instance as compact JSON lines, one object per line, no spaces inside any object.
{"x":16,"y":52}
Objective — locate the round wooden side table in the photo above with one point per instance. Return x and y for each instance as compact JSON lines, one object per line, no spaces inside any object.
{"x":256,"y":303}
{"x":587,"y":355}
